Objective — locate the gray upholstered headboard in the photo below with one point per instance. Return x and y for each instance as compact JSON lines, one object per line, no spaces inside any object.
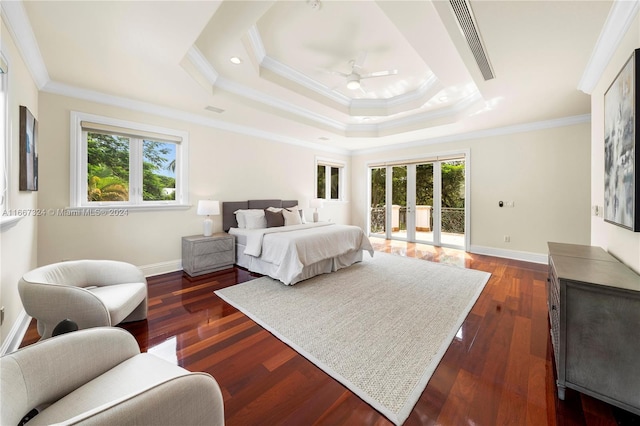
{"x":228,"y":207}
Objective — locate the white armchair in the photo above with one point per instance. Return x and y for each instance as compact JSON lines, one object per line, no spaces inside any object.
{"x":99,"y":376}
{"x":91,"y":293}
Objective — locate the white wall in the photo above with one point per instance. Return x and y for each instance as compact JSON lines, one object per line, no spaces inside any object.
{"x":622,"y":243}
{"x":18,"y":246}
{"x":545,"y":172}
{"x":222,"y":166}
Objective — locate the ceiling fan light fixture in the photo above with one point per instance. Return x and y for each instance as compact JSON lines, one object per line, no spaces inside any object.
{"x":353,"y":82}
{"x":353,"y":85}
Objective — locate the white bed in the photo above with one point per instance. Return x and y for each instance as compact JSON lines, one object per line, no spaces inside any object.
{"x":296,"y":252}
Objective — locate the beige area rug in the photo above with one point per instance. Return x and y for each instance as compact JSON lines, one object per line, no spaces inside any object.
{"x":380,"y":327}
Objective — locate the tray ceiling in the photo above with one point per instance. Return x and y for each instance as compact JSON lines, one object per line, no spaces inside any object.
{"x":291,"y":82}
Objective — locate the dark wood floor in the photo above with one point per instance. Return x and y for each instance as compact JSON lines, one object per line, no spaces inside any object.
{"x":499,"y":372}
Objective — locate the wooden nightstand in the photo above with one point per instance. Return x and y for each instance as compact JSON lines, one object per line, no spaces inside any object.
{"x":201,"y":255}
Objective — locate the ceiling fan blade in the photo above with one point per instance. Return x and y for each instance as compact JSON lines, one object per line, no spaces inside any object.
{"x":379,"y":74}
{"x":359,"y":62}
{"x":342,"y":74}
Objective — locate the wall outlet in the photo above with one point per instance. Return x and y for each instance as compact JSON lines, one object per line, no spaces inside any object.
{"x":597,"y":211}
{"x":507,"y":238}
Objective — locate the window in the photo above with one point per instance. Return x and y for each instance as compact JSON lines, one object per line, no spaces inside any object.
{"x":329,"y":179}
{"x":123,"y":164}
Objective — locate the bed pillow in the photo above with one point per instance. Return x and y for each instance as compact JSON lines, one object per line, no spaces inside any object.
{"x":254,"y":219}
{"x":274,"y":219}
{"x":291,"y":217}
{"x":302,"y":218}
{"x":254,"y":216}
{"x":240,"y":218}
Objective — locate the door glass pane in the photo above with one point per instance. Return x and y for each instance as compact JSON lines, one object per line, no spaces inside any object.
{"x":158,"y":171}
{"x":107,"y":167}
{"x":378,"y":197}
{"x":424,"y":202}
{"x":453,"y":202}
{"x":399,"y":202}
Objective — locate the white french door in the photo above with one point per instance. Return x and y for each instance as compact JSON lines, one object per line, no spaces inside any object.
{"x":421,"y":201}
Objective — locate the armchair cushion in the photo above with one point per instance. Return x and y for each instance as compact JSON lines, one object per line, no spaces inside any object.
{"x":121,"y":299}
{"x":98,"y":376}
{"x":91,"y":293}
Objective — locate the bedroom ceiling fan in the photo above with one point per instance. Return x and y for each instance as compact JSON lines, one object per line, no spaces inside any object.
{"x":356,"y":74}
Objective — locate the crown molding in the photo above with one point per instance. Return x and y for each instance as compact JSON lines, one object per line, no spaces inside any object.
{"x":176,"y":114}
{"x":620,"y":18}
{"x":205,"y":68}
{"x":200,"y":62}
{"x":295,"y":76}
{"x":22,"y":33}
{"x":450,"y":111}
{"x":499,"y":131}
{"x":254,"y":95}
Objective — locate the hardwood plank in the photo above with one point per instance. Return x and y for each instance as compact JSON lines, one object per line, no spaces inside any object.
{"x":498,"y":370}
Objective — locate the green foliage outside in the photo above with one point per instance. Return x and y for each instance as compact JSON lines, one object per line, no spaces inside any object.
{"x":452,"y":194}
{"x":452,"y":185}
{"x":108,"y":169}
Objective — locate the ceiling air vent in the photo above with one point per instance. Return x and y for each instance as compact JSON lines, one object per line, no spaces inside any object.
{"x":467,"y":23}
{"x":214,"y":109}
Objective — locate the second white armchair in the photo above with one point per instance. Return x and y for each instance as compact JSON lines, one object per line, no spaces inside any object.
{"x":91,"y":293}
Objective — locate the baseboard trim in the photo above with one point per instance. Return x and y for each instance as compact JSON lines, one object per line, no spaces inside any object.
{"x":16,"y":334}
{"x":510,"y":254}
{"x":161,"y":268}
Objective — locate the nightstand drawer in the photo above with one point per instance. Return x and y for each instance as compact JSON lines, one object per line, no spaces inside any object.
{"x":212,"y":246}
{"x":213,"y":260}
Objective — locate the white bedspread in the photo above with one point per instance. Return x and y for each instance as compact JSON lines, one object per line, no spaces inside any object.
{"x":294,"y":247}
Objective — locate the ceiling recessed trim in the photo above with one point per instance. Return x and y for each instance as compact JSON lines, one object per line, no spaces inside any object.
{"x":301,"y":79}
{"x":450,"y":111}
{"x":396,"y":103}
{"x":255,"y":41}
{"x":200,"y":62}
{"x":271,"y":101}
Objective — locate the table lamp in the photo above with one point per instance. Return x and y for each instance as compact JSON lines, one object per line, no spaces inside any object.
{"x":208,"y":208}
{"x":315,"y":203}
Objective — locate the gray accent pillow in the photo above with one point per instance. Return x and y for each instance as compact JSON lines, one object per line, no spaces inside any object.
{"x":274,"y":218}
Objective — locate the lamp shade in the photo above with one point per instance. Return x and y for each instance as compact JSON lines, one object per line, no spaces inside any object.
{"x":315,"y":203}
{"x":208,"y":207}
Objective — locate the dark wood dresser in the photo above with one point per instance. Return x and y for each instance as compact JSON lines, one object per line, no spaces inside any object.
{"x":594,"y":310}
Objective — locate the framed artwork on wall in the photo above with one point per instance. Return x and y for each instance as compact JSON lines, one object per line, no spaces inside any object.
{"x":28,"y":151}
{"x":621,"y":156}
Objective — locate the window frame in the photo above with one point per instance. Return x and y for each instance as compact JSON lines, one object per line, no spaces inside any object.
{"x":8,"y":217}
{"x":136,"y":133}
{"x":5,"y":156}
{"x":330,"y":163}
